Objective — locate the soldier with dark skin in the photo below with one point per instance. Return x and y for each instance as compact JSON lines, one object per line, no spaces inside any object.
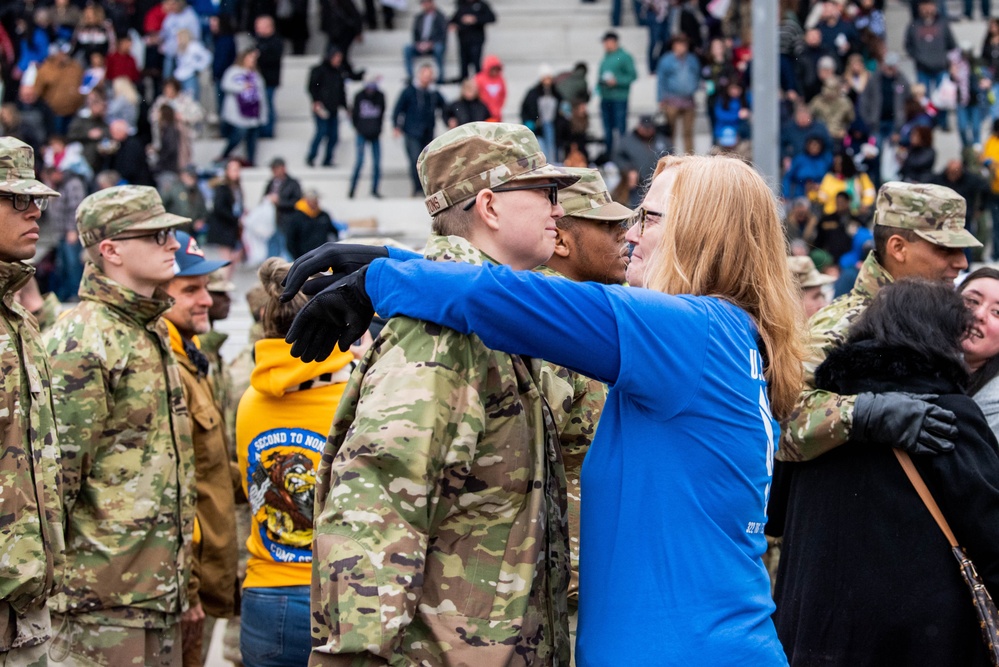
{"x":589,"y":245}
{"x":441,"y":534}
{"x":127,"y":456}
{"x":918,"y":233}
{"x":31,"y":508}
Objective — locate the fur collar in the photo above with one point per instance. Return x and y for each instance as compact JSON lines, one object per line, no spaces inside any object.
{"x":869,"y":366}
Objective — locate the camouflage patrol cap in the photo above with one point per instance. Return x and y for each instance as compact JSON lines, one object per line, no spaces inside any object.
{"x":934,"y":212}
{"x":805,"y":273}
{"x":110,"y":212}
{"x":17,"y":170}
{"x":476,"y":156}
{"x":588,"y":198}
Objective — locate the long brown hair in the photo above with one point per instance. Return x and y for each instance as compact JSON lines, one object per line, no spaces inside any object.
{"x":722,"y":237}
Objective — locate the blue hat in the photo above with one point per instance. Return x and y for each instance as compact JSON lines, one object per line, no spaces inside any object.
{"x":190,"y":258}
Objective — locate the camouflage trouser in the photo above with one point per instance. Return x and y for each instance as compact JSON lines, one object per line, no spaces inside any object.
{"x":87,"y":645}
{"x":31,"y":656}
{"x":22,"y":636}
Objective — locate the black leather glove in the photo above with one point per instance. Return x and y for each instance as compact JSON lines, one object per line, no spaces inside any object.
{"x":340,"y":314}
{"x":905,"y":421}
{"x":342,"y":258}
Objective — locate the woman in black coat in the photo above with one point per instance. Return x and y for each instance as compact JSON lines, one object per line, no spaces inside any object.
{"x":866,"y":577}
{"x":225,"y":222}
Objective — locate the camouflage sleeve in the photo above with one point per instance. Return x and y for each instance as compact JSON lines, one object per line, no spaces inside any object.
{"x":80,"y":379}
{"x":821,"y":420}
{"x":410,"y":442}
{"x":584,"y":414}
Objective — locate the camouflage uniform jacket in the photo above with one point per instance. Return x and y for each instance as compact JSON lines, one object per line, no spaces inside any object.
{"x":213,"y":566}
{"x":821,"y":420}
{"x":576,"y":402}
{"x":441,"y":533}
{"x":31,"y":539}
{"x":127,"y":459}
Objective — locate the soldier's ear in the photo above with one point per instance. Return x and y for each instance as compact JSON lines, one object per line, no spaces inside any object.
{"x":896,"y":250}
{"x":485,"y":208}
{"x":109,"y":252}
{"x":564,"y":243}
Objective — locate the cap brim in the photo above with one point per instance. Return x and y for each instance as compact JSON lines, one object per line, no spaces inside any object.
{"x":202,"y":268}
{"x":612,"y":212}
{"x":561,"y":177}
{"x":28,"y":187}
{"x":947,"y":239}
{"x":161,"y":221}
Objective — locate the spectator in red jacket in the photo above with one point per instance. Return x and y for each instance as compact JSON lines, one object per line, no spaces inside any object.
{"x":121,"y":62}
{"x":492,"y":87}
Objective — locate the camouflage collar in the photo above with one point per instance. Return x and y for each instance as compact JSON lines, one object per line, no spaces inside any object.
{"x":212,"y":341}
{"x":455,"y":249}
{"x":142,"y":310}
{"x":13,"y":276}
{"x":548,"y":271}
{"x":871,"y":278}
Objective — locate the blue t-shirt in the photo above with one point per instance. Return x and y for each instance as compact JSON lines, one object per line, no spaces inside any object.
{"x":676,"y":480}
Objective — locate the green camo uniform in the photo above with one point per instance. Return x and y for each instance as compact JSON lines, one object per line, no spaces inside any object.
{"x":31,"y":508}
{"x":441,"y":535}
{"x":128,"y":469}
{"x":821,"y":420}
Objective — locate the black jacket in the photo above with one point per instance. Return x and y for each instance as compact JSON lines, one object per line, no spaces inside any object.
{"x":288,"y":195}
{"x":305,"y":233}
{"x":866,"y":577}
{"x":340,"y":20}
{"x":368,"y":113}
{"x":223,"y":223}
{"x":530,"y":115}
{"x":326,"y":86}
{"x":466,"y":111}
{"x":130,"y":161}
{"x":438,"y":30}
{"x":269,"y":62}
{"x":483,"y":14}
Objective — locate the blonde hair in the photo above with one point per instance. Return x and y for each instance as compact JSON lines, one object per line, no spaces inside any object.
{"x":123,"y":88}
{"x":722,"y":237}
{"x":277,"y":317}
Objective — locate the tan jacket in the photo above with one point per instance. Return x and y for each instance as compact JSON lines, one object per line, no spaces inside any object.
{"x":58,"y":85}
{"x":213,"y":568}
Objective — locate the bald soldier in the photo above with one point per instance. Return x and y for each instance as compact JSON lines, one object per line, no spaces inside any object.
{"x":441,"y":534}
{"x":918,"y":233}
{"x":31,"y":540}
{"x":127,"y":456}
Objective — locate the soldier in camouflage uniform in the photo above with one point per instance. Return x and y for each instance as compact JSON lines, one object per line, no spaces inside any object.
{"x":918,"y":232}
{"x":31,"y":541}
{"x":127,"y":458}
{"x":589,"y":245}
{"x":440,"y":532}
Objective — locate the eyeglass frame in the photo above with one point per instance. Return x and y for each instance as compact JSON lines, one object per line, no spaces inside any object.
{"x":641,"y":215}
{"x":41,"y":201}
{"x":164,"y":234}
{"x":551,"y":187}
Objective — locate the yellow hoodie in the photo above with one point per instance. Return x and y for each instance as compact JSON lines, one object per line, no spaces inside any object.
{"x":281,"y":427}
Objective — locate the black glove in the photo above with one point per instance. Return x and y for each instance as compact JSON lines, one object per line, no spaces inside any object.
{"x":905,"y":421}
{"x":342,"y":258}
{"x":340,"y":314}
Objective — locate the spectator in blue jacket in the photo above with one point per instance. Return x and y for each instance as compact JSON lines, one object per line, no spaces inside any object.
{"x":731,"y":113}
{"x":414,"y":117}
{"x":679,"y":75}
{"x":807,"y":169}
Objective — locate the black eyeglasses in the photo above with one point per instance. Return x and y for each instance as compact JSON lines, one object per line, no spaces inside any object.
{"x":23,"y":202}
{"x":160,"y":236}
{"x":641,"y":218}
{"x":552,"y":189}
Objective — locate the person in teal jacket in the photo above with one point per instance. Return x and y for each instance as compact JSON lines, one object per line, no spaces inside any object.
{"x":617,"y":72}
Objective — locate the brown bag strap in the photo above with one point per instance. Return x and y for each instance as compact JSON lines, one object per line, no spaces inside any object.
{"x":924,"y":493}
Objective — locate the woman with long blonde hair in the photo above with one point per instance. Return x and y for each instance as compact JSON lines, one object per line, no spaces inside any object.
{"x":701,"y":364}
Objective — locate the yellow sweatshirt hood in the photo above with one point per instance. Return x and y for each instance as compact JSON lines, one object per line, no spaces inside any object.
{"x":276,"y":371}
